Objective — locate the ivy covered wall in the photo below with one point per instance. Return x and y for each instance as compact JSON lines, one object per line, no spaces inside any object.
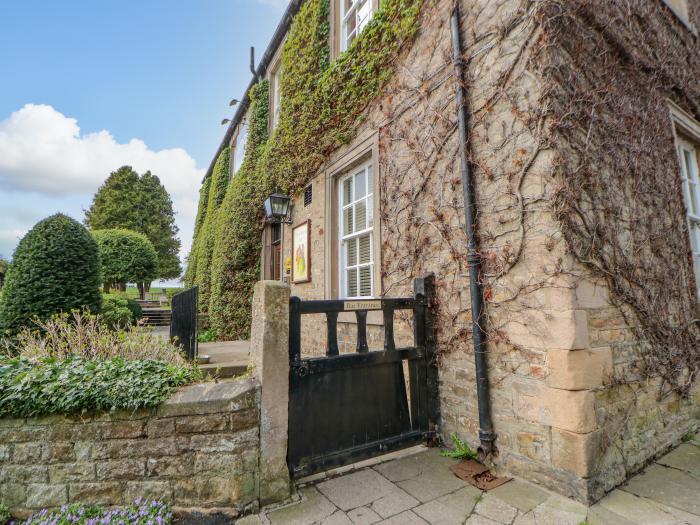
{"x":322,"y":104}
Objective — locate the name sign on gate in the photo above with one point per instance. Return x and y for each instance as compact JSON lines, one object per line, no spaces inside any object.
{"x":363,"y":305}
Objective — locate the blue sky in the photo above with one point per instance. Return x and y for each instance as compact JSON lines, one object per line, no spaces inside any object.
{"x":87,"y":86}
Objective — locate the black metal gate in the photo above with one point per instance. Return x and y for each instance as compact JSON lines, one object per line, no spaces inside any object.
{"x":183,"y":323}
{"x":348,"y":407}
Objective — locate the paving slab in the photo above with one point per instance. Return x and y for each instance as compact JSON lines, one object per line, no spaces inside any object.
{"x":598,"y":515}
{"x":686,"y":457}
{"x":452,"y":509}
{"x":424,"y":476}
{"x":414,"y":465}
{"x":363,"y":516}
{"x":519,"y":494}
{"x":635,"y":509}
{"x":668,"y":486}
{"x":394,"y":503}
{"x":364,"y":487}
{"x":337,"y":518}
{"x":475,"y":519}
{"x":556,"y":510}
{"x":312,"y":508}
{"x":405,"y":518}
{"x":496,"y":509}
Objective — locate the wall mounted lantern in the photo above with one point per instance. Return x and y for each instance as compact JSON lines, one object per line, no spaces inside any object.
{"x":277,"y":209}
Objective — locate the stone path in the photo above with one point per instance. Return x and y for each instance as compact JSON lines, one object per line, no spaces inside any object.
{"x":420,"y":489}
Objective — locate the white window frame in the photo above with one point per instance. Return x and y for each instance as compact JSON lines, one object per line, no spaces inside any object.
{"x":239,"y":145}
{"x":690,"y":172}
{"x":368,"y":172}
{"x":276,"y":97}
{"x":353,"y":13}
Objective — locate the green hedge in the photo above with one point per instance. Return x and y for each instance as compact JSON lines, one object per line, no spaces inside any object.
{"x":64,"y":386}
{"x":204,"y":242}
{"x":56,"y":268}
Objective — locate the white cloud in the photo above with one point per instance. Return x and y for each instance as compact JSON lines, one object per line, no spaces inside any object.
{"x":42,"y":151}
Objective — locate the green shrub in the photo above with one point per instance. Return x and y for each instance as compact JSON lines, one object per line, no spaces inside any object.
{"x":116,"y":312}
{"x":207,"y":336}
{"x":142,"y":512}
{"x":86,"y":335}
{"x":126,"y":256}
{"x":55,"y":269}
{"x":34,"y":387}
{"x":133,"y":305}
{"x":5,"y":515}
{"x":461,"y":450}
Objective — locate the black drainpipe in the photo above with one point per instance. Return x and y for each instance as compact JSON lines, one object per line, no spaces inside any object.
{"x":486,"y":434}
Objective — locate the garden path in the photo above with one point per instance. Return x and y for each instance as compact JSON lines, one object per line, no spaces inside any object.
{"x":418,"y":488}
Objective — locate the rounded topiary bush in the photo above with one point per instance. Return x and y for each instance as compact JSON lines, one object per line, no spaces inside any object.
{"x":126,"y":256}
{"x":56,"y":268}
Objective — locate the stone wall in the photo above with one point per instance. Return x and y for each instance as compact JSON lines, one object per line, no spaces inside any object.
{"x":558,"y":349}
{"x":198,"y":451}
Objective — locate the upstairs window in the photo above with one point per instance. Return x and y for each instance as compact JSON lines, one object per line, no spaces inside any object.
{"x":276,"y":101}
{"x":354,"y":16}
{"x":356,"y":233}
{"x":239,"y":146}
{"x":690,"y":171}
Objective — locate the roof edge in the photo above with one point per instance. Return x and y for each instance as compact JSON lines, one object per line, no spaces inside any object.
{"x":244,"y":104}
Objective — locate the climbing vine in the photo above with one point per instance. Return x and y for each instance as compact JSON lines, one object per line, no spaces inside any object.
{"x":203,"y":248}
{"x":322,"y":105}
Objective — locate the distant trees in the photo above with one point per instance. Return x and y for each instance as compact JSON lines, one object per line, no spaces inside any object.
{"x":55,"y":269}
{"x":126,"y":257}
{"x":140,"y":203}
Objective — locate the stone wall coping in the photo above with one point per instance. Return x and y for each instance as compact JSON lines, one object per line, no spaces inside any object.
{"x":210,"y":398}
{"x":228,"y":395}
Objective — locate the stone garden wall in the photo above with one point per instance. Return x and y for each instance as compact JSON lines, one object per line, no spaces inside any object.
{"x":198,"y":451}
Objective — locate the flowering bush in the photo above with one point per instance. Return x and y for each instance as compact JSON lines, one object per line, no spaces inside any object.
{"x":142,"y":512}
{"x":85,"y":335}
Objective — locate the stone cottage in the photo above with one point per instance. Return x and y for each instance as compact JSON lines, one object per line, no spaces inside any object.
{"x":578,"y":144}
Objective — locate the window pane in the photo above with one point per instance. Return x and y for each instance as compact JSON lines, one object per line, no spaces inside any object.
{"x":351,"y":252}
{"x":352,"y":282}
{"x":347,"y":221}
{"x":360,"y":216}
{"x":370,"y":212}
{"x":347,"y":191}
{"x":365,"y":281}
{"x":365,"y":249}
{"x":350,"y":28}
{"x":695,"y":237}
{"x":370,"y":180}
{"x":364,"y":12}
{"x":360,"y":186}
